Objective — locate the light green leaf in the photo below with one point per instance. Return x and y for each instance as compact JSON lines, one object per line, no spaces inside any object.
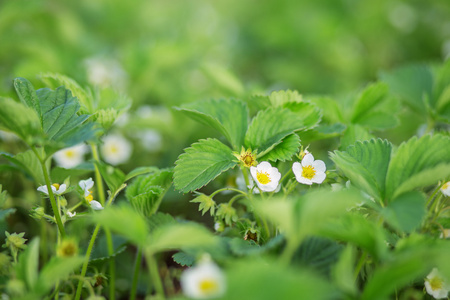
{"x":20,"y":119}
{"x":106,"y":117}
{"x":160,"y":219}
{"x":181,"y":235}
{"x":201,"y":163}
{"x":284,"y":150}
{"x":270,"y":127}
{"x":267,"y":280}
{"x":342,"y":272}
{"x":28,"y":163}
{"x":27,"y":95}
{"x":125,"y":221}
{"x":280,"y":98}
{"x":309,"y":113}
{"x":84,"y":95}
{"x":360,"y":232}
{"x":256,"y":103}
{"x":379,"y":121}
{"x":140,"y":171}
{"x":58,"y":174}
{"x":331,"y":111}
{"x":146,"y":191}
{"x":406,"y":211}
{"x":113,"y":177}
{"x":229,"y":117}
{"x":58,"y":268}
{"x":28,"y":263}
{"x":366,"y":164}
{"x":412,"y":83}
{"x":3,"y":196}
{"x":418,"y":163}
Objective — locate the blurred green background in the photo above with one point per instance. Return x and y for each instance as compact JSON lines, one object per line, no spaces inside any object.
{"x":165,"y":53}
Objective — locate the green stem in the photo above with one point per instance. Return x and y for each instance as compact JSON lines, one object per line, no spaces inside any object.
{"x":86,"y":262}
{"x":288,"y":252}
{"x":360,"y":264}
{"x":112,"y":265}
{"x":286,"y":175}
{"x":154,"y":274}
{"x":98,"y":176}
{"x":43,"y":223}
{"x":227,"y":189}
{"x":50,"y":194}
{"x":137,"y":266}
{"x":434,"y":193}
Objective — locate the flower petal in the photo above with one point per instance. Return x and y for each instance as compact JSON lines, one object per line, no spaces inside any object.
{"x":43,"y":189}
{"x":297,"y":169}
{"x":253,"y":172}
{"x":319,"y":177}
{"x":319,"y":166}
{"x":303,"y":180}
{"x":307,"y":160}
{"x":62,"y":189}
{"x":95,"y":205}
{"x":264,"y":166}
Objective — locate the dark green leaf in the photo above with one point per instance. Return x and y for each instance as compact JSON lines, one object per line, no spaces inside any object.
{"x":229,"y":117}
{"x":160,"y":219}
{"x":406,"y":211}
{"x":184,"y":259}
{"x":201,"y":163}
{"x":5,"y":213}
{"x":27,"y":95}
{"x":28,"y":163}
{"x":113,"y":177}
{"x":58,"y":174}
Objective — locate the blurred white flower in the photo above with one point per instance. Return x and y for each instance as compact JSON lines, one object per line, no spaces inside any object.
{"x":105,"y":72}
{"x":115,"y":149}
{"x":445,"y":189}
{"x":309,"y":171}
{"x":266,"y":176}
{"x":56,"y":188}
{"x":203,"y":281}
{"x":70,"y":157}
{"x":86,"y":185}
{"x":436,"y":285}
{"x":445,"y":234}
{"x":95,"y":205}
{"x":70,"y":214}
{"x":8,"y":136}
{"x":150,"y":139}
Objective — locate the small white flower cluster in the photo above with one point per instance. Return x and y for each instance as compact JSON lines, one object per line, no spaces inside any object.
{"x":70,"y":157}
{"x":445,"y":189}
{"x":116,"y":149}
{"x":309,"y":171}
{"x":436,"y":285}
{"x":56,"y":189}
{"x":204,"y":281}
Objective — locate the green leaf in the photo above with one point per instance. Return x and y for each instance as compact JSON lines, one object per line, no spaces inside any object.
{"x":412,"y":83}
{"x":360,"y":232}
{"x":229,"y":117}
{"x":146,"y":191}
{"x":100,"y":252}
{"x":184,"y":259}
{"x":27,"y":95}
{"x":267,"y":280}
{"x":241,"y":247}
{"x":342,"y":272}
{"x":5,"y":213}
{"x":113,"y":177}
{"x":331,"y":111}
{"x":106,"y":117}
{"x":418,"y":163}
{"x":406,"y":211}
{"x":19,"y":119}
{"x":28,"y":262}
{"x":201,"y":163}
{"x":3,"y":196}
{"x":58,"y":268}
{"x":366,"y":164}
{"x":270,"y":127}
{"x":284,"y":150}
{"x":309,"y":113}
{"x":54,"y":80}
{"x":140,"y":171}
{"x":318,"y":253}
{"x":160,"y":219}
{"x":280,"y":98}
{"x":125,"y":221}
{"x":28,"y":163}
{"x":181,"y":235}
{"x":59,"y":174}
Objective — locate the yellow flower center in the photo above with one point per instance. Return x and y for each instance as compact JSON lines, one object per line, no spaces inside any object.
{"x":263,"y":178}
{"x":446,"y":186}
{"x":56,"y":186}
{"x":435,"y":283}
{"x":308,"y":172}
{"x":208,"y":286}
{"x":89,"y":198}
{"x":114,"y":149}
{"x":70,"y":154}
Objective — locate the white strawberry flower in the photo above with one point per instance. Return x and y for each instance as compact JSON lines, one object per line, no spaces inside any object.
{"x":266,"y":176}
{"x":95,"y":205}
{"x":309,"y":171}
{"x":70,"y":214}
{"x":86,"y":185}
{"x":436,"y":285}
{"x":70,"y":157}
{"x":56,"y":188}
{"x":445,"y":189}
{"x":203,"y":281}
